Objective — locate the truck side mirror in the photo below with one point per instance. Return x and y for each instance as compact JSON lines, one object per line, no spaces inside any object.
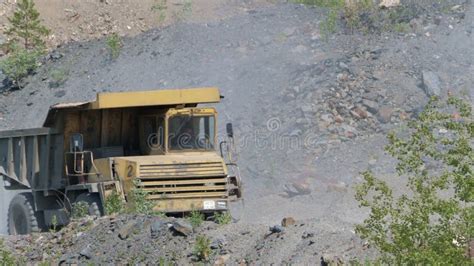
{"x":230,"y":130}
{"x":77,"y":143}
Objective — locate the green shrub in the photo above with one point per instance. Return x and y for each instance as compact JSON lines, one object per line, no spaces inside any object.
{"x":185,"y":11}
{"x":54,"y":224}
{"x":196,"y":218}
{"x":164,"y":262}
{"x":401,"y":27}
{"x":328,"y":26}
{"x":114,"y":45}
{"x":19,"y":64}
{"x":79,"y":210}
{"x":363,"y":15}
{"x":432,"y":221}
{"x":160,"y":7}
{"x":6,"y":257}
{"x":202,"y":248}
{"x":114,"y":204}
{"x":222,"y":218}
{"x":58,"y":77}
{"x":138,"y":202}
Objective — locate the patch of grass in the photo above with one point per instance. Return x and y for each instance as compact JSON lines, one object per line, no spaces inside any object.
{"x":196,"y":218}
{"x":328,"y":26}
{"x":54,"y":224}
{"x":6,"y":257}
{"x":202,"y":248}
{"x":58,"y":77}
{"x":164,"y":262}
{"x":401,"y":27}
{"x":322,"y":3}
{"x":114,"y":204}
{"x":138,"y":202}
{"x":354,"y":11}
{"x":79,"y":210}
{"x":160,"y":7}
{"x":185,"y":11}
{"x":158,"y":214}
{"x":364,"y":16}
{"x":45,"y":263}
{"x":114,"y":45}
{"x":222,"y":218}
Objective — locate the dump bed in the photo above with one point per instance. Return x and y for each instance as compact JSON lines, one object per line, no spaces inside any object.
{"x":32,"y":158}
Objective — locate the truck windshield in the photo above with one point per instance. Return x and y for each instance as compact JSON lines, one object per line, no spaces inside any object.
{"x":188,"y":132}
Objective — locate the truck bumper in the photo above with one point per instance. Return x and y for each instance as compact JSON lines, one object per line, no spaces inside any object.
{"x":186,"y":205}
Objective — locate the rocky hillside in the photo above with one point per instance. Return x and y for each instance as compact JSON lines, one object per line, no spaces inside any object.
{"x":78,"y":21}
{"x":310,"y":112}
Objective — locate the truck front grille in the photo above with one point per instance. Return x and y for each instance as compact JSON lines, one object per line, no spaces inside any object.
{"x":184,"y":181}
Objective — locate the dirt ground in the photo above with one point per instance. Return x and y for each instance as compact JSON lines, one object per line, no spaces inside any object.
{"x":310,"y":113}
{"x":73,"y":21}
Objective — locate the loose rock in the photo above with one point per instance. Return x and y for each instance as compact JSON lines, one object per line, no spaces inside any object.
{"x":182,"y":227}
{"x":126,"y":230}
{"x":384,"y":114}
{"x":431,"y":83}
{"x":277,"y":229}
{"x":86,"y":252}
{"x":155,"y":228}
{"x":287,"y":221}
{"x":371,"y":106}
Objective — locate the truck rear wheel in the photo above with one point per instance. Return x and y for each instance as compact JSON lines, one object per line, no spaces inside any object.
{"x":93,"y":201}
{"x":21,"y":215}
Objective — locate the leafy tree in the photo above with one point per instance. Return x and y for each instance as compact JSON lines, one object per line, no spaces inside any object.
{"x":26,"y":26}
{"x":431,"y":222}
{"x":26,"y":42}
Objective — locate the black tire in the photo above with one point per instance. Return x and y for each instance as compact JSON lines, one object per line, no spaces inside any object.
{"x":93,"y":201}
{"x":22,"y":219}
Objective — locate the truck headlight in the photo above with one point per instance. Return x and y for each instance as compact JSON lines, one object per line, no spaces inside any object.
{"x":222,"y":205}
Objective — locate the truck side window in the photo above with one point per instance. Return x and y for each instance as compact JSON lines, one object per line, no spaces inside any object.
{"x":160,"y":132}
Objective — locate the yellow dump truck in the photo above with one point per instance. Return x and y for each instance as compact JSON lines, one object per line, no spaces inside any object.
{"x":157,"y":140}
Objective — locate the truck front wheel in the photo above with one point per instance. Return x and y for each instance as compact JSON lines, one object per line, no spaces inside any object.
{"x":21,"y":215}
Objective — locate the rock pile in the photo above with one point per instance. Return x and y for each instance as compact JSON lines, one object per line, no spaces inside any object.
{"x":351,"y":103}
{"x":133,"y":239}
